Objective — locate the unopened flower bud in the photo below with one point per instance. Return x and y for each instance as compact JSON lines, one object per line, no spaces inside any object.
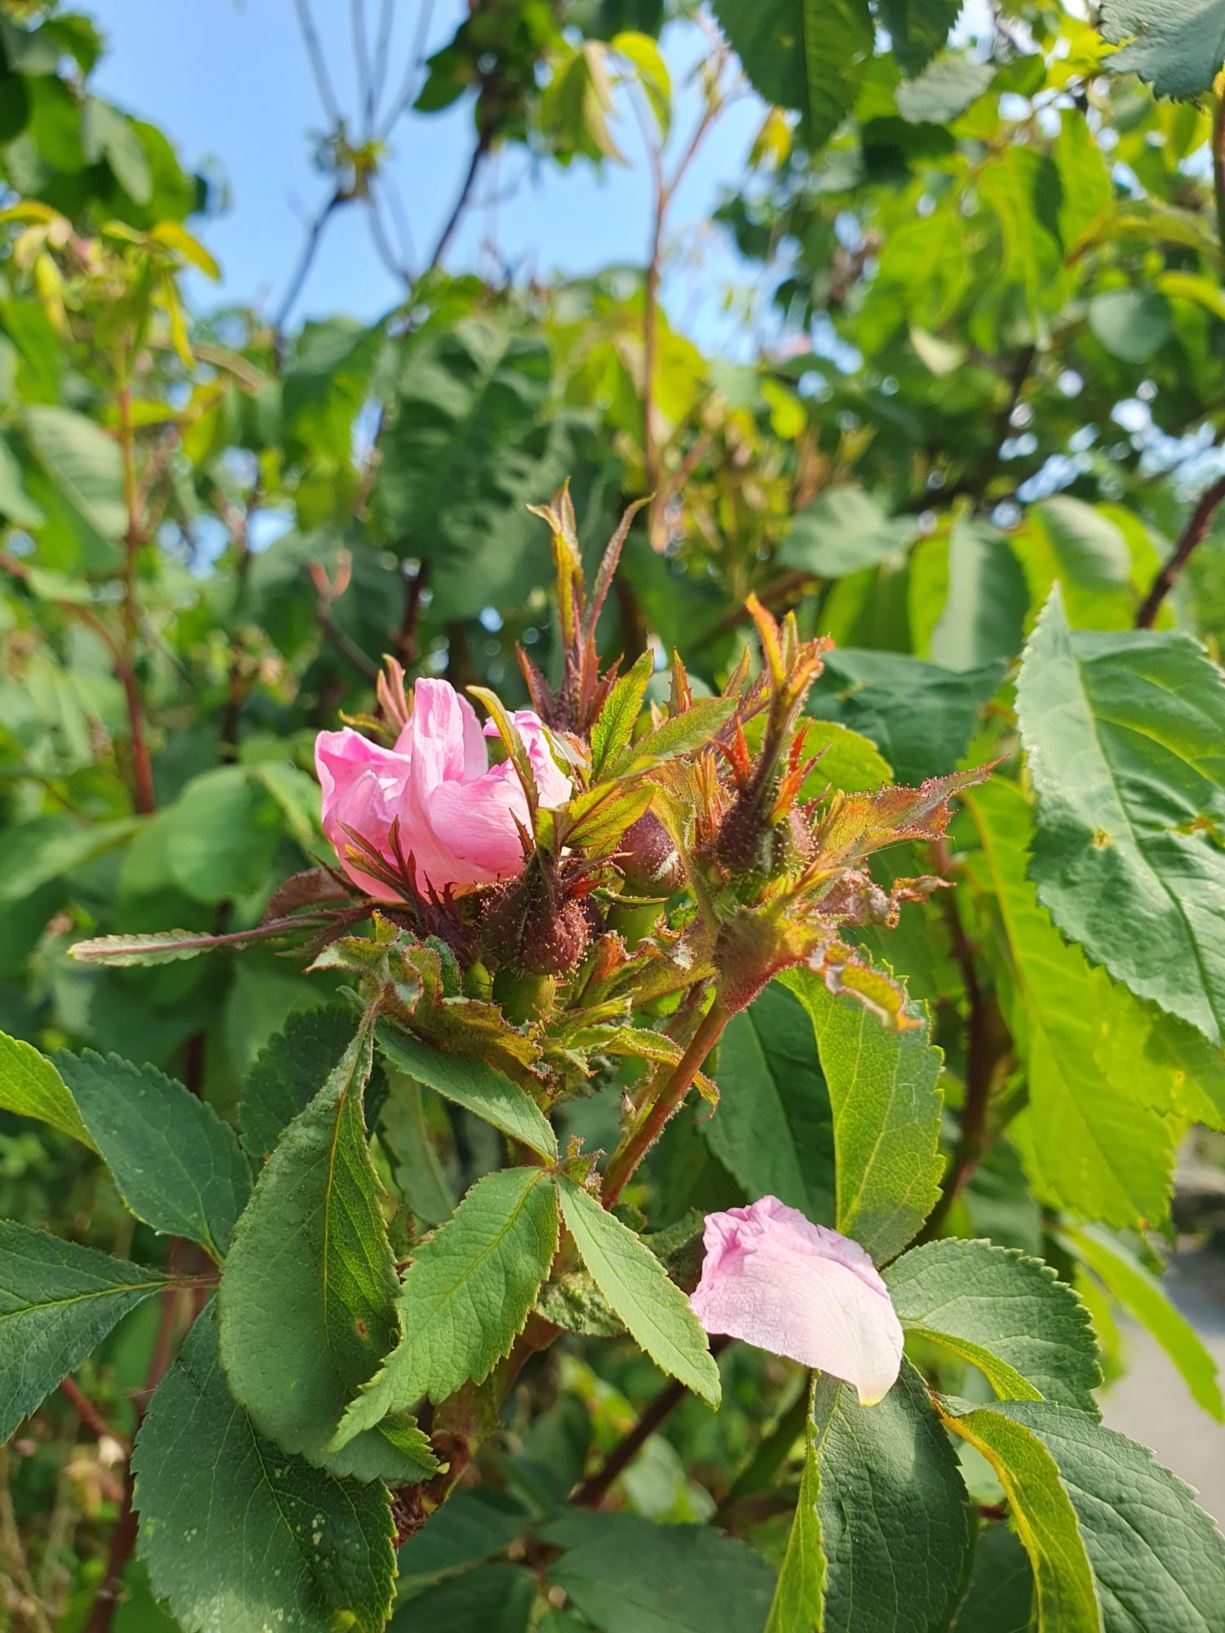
{"x":527,"y":927}
{"x":648,"y":858}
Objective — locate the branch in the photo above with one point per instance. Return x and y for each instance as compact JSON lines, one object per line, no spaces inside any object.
{"x":595,"y":1488}
{"x":1192,"y":535}
{"x":88,"y":1413}
{"x":318,"y":62}
{"x":407,"y":94}
{"x":461,"y":203}
{"x":314,"y":234}
{"x":646,"y":1128}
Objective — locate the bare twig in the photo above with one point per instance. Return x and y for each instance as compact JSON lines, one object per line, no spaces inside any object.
{"x":143,"y":796}
{"x":361,"y":57}
{"x":407,"y":94}
{"x":443,"y":241}
{"x":88,"y":1413}
{"x":1192,"y":535}
{"x":310,"y":246}
{"x":318,"y":62}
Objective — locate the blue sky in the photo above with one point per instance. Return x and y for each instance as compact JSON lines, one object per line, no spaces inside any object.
{"x":230,"y":83}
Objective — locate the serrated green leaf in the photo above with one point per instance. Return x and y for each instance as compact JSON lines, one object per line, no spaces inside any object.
{"x":177,"y":1166}
{"x":638,"y":1289}
{"x":943,"y":90}
{"x":1042,"y":1511}
{"x":238,"y":1536}
{"x":307,"y":1301}
{"x":157,"y":947}
{"x":626,"y":1575}
{"x":1006,"y":1313}
{"x":58,"y":1301}
{"x":1125,"y":736}
{"x":1098,"y":1135}
{"x":810,"y":55}
{"x":31,"y":1086}
{"x":883,"y":1088}
{"x":289,"y":1071}
{"x":1140,"y":1293}
{"x":497,"y":1598}
{"x":470,"y":1083}
{"x":891,"y":1522}
{"x":465,"y":1297}
{"x":773,"y":1128}
{"x":1178,"y":45}
{"x":616,"y":721}
{"x":679,"y":734}
{"x":84,"y":466}
{"x":1157,"y":1560}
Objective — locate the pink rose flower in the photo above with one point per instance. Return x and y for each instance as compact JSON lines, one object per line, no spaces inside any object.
{"x":458,"y":816}
{"x":775,"y":1280}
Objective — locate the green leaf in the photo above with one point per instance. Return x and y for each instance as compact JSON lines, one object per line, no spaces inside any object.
{"x":1068,"y":542}
{"x":411,"y":1146}
{"x":1140,"y":1293}
{"x":773,"y":1128}
{"x":983,"y":617}
{"x":1125,"y":736}
{"x":31,"y":1086}
{"x":616,"y":721}
{"x":891,"y":1519}
{"x":15,"y":504}
{"x":943,"y":90}
{"x":842,"y":531}
{"x":1098,"y":1135}
{"x":236,"y":1534}
{"x":494,"y":1599}
{"x":33,"y":856}
{"x":919,"y":715}
{"x":326,"y":383}
{"x":1131,"y":323}
{"x":1042,"y":1511}
{"x":176,"y":1164}
{"x":470,"y":1083}
{"x":466,"y":1295}
{"x":678,"y":735}
{"x":220,"y":835}
{"x":290,"y":1070}
{"x":136,"y":951}
{"x":106,"y":134}
{"x":626,"y":1575}
{"x":1007,"y":1314}
{"x":918,"y":28}
{"x":846,"y":760}
{"x":638,"y":1289}
{"x":1158,"y":1561}
{"x":799,"y":1597}
{"x":471,"y":1525}
{"x":883,"y":1088}
{"x":307,"y":1301}
{"x":58,"y":1301}
{"x":83,"y":464}
{"x":466,"y":449}
{"x":1178,"y":45}
{"x":811,"y":55}
{"x":1000,"y":1597}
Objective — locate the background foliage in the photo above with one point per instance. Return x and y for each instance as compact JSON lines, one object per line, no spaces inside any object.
{"x":973,"y":435}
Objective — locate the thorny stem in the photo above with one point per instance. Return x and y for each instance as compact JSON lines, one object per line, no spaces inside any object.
{"x":647,"y":1126}
{"x":1192,"y":535}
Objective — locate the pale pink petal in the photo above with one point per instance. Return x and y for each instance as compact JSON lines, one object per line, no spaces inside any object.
{"x":774,"y":1279}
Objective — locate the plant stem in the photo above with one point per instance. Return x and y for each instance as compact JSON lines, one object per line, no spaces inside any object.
{"x":647,"y":1126}
{"x":88,"y":1413}
{"x":143,"y":796}
{"x":593,"y":1490}
{"x":1192,"y":535}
